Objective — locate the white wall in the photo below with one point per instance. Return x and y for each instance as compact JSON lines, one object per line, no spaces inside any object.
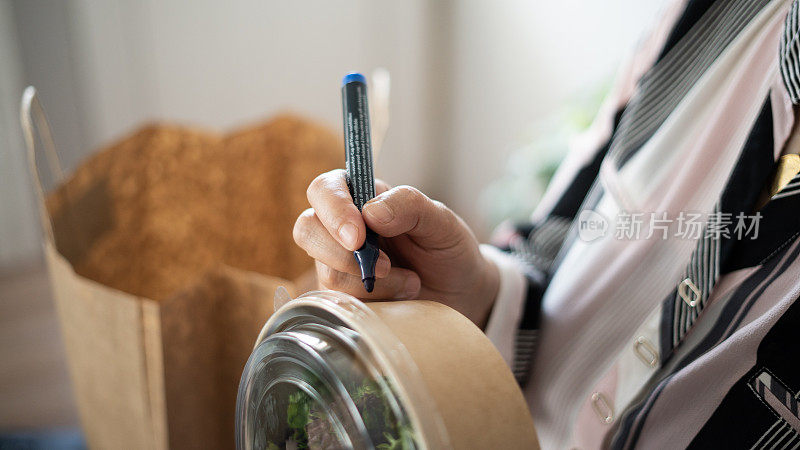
{"x":468,"y":77}
{"x":515,"y":61}
{"x":227,"y":66}
{"x":19,"y":236}
{"x":105,"y":67}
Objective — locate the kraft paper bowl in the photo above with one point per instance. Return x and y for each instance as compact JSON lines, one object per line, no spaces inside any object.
{"x":329,"y":371}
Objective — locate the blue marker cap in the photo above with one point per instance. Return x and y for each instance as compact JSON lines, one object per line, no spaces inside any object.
{"x":355,"y":76}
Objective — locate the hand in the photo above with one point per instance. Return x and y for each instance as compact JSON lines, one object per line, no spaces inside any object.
{"x":427,"y":251}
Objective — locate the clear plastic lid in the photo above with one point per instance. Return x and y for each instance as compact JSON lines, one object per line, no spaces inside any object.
{"x":326,"y":373}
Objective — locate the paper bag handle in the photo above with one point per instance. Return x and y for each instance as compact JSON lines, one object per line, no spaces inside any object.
{"x":32,"y":117}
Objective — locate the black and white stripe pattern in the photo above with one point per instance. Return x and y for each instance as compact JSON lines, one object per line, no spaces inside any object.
{"x":765,"y":383}
{"x":659,"y":91}
{"x":703,"y":272}
{"x":714,"y":248}
{"x":524,"y":349}
{"x":538,"y":250}
{"x":785,"y":431}
{"x":733,"y":313}
{"x":663,"y":87}
{"x":779,"y":436}
{"x":542,"y":245}
{"x":790,"y":53}
{"x":791,"y":188}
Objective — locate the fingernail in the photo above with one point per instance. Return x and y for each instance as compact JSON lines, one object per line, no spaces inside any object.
{"x":379,"y":211}
{"x":410,"y":288}
{"x":382,"y":267}
{"x":349,"y":234}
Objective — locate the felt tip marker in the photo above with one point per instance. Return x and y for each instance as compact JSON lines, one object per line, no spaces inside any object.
{"x":358,"y":162}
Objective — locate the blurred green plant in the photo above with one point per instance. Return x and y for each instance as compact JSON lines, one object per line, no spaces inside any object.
{"x":531,"y":166}
{"x":310,"y":429}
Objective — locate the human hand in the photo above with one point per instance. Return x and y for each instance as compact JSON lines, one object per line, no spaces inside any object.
{"x":427,"y":251}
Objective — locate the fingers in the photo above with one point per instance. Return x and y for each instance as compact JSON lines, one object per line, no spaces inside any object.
{"x":406,"y":210}
{"x":399,"y":284}
{"x":331,"y":200}
{"x":330,"y":197}
{"x":381,"y":186}
{"x":314,"y":238}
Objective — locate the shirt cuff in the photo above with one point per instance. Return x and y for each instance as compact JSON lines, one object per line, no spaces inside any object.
{"x":506,"y":314}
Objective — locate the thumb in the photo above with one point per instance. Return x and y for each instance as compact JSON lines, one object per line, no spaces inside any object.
{"x":406,"y":210}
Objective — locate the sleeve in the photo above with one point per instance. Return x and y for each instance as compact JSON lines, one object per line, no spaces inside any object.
{"x":523,"y":262}
{"x":516,"y":344}
{"x":524,"y":253}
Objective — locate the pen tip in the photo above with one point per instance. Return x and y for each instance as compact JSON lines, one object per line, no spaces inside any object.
{"x":369,"y":284}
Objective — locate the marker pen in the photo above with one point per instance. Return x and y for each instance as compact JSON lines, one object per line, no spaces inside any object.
{"x":360,"y":177}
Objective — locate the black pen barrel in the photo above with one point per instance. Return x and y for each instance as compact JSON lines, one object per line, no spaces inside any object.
{"x":358,"y":162}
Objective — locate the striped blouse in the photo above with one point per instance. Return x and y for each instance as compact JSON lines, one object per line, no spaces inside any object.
{"x":651,"y":300}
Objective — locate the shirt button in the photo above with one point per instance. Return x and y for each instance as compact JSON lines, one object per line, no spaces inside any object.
{"x":602,"y":407}
{"x":646,"y":351}
{"x":689,"y":292}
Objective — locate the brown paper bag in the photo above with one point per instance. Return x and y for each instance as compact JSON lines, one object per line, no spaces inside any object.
{"x":161,"y":374}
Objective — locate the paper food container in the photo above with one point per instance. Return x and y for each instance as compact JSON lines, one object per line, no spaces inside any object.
{"x":330,"y":372}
